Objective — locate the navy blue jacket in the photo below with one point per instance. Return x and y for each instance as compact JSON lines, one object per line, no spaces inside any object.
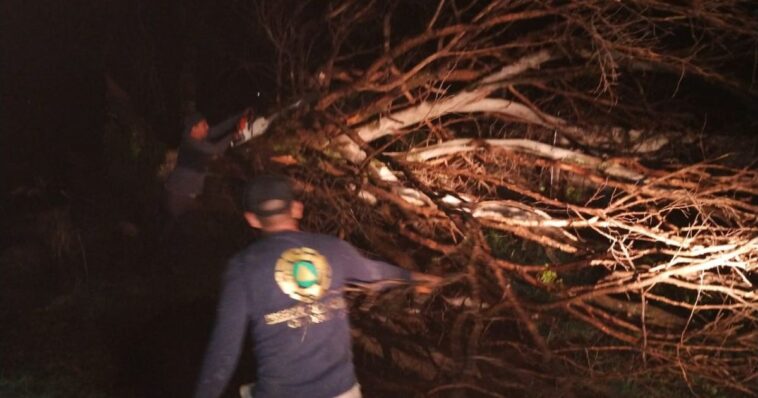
{"x":194,"y":156}
{"x":286,"y":291}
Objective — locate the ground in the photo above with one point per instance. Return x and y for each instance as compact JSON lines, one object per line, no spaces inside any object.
{"x":101,"y":302}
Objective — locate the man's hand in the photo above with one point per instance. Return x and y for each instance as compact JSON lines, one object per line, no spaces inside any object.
{"x":426,"y":282}
{"x":244,"y":128}
{"x":246,"y":118}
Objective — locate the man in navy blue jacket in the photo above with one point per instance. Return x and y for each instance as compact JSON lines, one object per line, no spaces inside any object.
{"x":200,"y":143}
{"x":286,"y":290}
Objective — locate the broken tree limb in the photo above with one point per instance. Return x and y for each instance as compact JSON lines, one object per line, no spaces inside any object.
{"x":609,"y":168}
{"x":531,"y":147}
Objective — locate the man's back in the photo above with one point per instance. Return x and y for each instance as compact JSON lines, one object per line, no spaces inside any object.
{"x":287,"y":289}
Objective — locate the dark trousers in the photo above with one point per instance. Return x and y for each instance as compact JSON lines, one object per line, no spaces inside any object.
{"x":177,"y":204}
{"x":180,"y":213}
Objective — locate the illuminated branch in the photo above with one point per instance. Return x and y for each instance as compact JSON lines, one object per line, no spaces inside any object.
{"x":526,"y":150}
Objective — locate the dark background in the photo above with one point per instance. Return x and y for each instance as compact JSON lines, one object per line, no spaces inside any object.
{"x":89,"y":300}
{"x":55,"y":56}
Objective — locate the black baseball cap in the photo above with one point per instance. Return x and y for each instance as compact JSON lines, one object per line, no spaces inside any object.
{"x":266,"y":188}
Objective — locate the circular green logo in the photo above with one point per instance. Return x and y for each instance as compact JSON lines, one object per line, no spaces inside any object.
{"x":305,"y":273}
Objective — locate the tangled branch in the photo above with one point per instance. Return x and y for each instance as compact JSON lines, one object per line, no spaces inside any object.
{"x":527,"y":151}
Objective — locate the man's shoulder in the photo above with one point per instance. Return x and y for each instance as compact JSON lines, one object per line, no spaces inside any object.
{"x":251,"y":250}
{"x":279,"y":242}
{"x":329,"y":243}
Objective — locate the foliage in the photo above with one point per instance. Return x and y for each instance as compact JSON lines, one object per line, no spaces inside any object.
{"x":544,"y":150}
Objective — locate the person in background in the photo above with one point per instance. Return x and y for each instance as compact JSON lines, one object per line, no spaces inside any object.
{"x":286,"y":291}
{"x":200,"y":143}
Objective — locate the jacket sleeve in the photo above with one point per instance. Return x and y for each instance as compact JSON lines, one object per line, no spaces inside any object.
{"x":212,"y":148}
{"x":360,"y":268}
{"x":221,"y":129}
{"x":227,"y":338}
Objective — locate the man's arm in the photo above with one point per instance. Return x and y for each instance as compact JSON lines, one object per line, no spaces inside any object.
{"x":360,"y":268}
{"x":426,"y":282}
{"x":221,"y":129}
{"x":212,"y":148}
{"x":363,"y":269}
{"x":219,"y":138}
{"x":227,"y":339}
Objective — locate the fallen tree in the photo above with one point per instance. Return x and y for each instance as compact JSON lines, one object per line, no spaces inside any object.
{"x":539,"y":155}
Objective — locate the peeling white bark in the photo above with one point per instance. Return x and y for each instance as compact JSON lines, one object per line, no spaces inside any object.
{"x":477,"y":100}
{"x":474,"y":100}
{"x":522,"y":65}
{"x":546,"y":151}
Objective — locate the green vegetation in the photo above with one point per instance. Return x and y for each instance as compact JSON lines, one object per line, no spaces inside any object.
{"x":508,"y":246}
{"x":549,"y":277}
